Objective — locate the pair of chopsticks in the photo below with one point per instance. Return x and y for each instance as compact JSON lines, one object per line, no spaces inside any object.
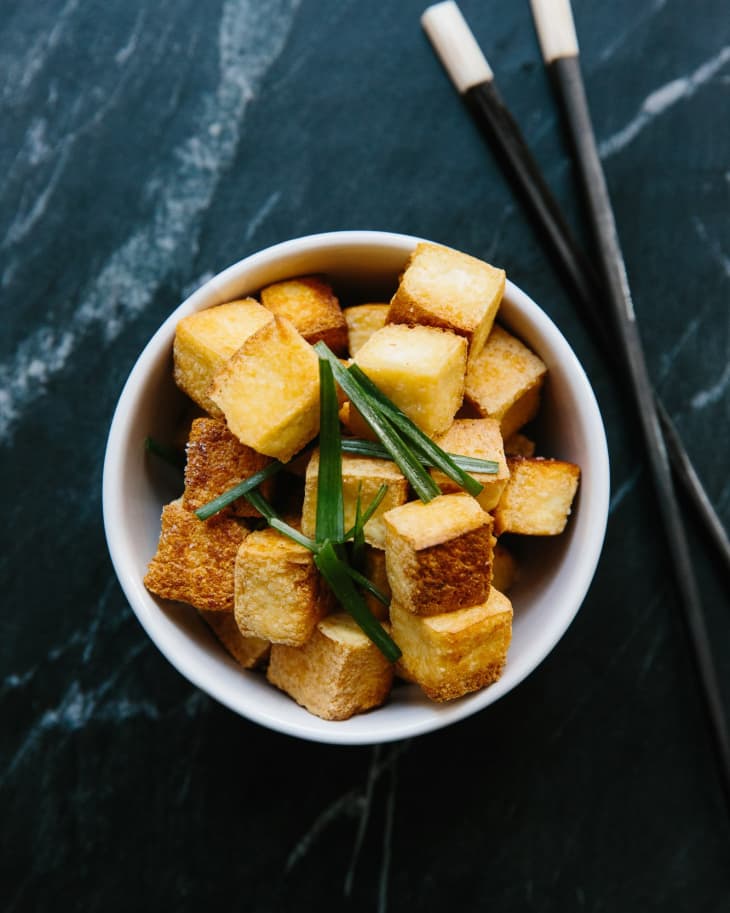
{"x":603,"y":298}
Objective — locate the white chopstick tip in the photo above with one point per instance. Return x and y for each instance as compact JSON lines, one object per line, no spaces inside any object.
{"x":456,"y":46}
{"x":555,"y":28}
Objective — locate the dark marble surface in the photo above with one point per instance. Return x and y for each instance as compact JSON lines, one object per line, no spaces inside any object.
{"x":143,"y":147}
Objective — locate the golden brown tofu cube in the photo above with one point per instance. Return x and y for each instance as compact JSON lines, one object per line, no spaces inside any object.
{"x":339,"y":672}
{"x":538,"y":497}
{"x":359,"y":474}
{"x":421,"y":369}
{"x":504,"y":569}
{"x":362,"y":321}
{"x":519,"y":445}
{"x":445,"y":288}
{"x":377,"y":574}
{"x":195,"y":559}
{"x":279,"y":594}
{"x":504,"y":382}
{"x":248,"y":651}
{"x":311,"y":305}
{"x":269,"y":391}
{"x":216,"y":462}
{"x":204,"y":342}
{"x":439,"y":555}
{"x":453,"y":654}
{"x":480,"y":438}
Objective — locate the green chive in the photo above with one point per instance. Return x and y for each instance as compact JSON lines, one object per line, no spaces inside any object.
{"x":367,"y":585}
{"x":402,"y":454}
{"x":431,"y":451}
{"x":374,"y":449}
{"x":329,"y":522}
{"x":337,"y":575}
{"x":286,"y":530}
{"x":243,"y":488}
{"x":168,"y":454}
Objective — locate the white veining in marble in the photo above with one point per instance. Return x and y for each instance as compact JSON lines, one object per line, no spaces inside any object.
{"x":250,"y":39}
{"x":357,"y":803}
{"x":646,"y":12}
{"x":625,"y":488}
{"x":258,"y":219}
{"x":661,"y":100}
{"x":715,"y":392}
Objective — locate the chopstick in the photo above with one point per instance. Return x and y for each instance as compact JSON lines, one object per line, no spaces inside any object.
{"x":463,"y":59}
{"x":559,"y":44}
{"x":474,"y":80}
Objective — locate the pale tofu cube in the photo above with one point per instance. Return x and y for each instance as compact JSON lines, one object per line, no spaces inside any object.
{"x":504,"y":569}
{"x":195,"y":559}
{"x":362,"y":321}
{"x":359,"y":474}
{"x":504,"y":382}
{"x":445,"y":288}
{"x":279,"y":593}
{"x":269,"y":391}
{"x":480,"y":438}
{"x":354,"y":424}
{"x":519,"y":445}
{"x":538,"y":497}
{"x":454,"y":654}
{"x":438,"y":555}
{"x":216,"y":461}
{"x":421,"y":369}
{"x":377,"y":574}
{"x":204,"y":342}
{"x":249,"y":652}
{"x":311,"y":305}
{"x":339,"y":671}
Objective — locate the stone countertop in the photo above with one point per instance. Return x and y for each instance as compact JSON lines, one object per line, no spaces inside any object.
{"x":144,"y":146}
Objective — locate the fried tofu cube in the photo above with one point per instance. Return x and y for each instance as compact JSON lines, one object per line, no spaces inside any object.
{"x":438,"y":555}
{"x":339,"y":672}
{"x":377,"y":574}
{"x":355,"y":425}
{"x":479,"y":438}
{"x":421,"y":369}
{"x":216,"y":462}
{"x":311,"y":305}
{"x":204,"y":342}
{"x":359,"y":474}
{"x":519,"y":445}
{"x":195,"y":559}
{"x":445,"y":288}
{"x":362,"y":321}
{"x":453,"y":654}
{"x":249,"y":652}
{"x":504,"y":569}
{"x":279,"y":594}
{"x":269,"y":391}
{"x":538,"y":497}
{"x":504,"y":382}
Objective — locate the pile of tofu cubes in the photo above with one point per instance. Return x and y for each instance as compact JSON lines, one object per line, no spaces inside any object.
{"x":436,"y":351}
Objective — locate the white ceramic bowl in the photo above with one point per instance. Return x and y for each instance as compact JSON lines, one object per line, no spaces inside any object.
{"x":553,"y":581}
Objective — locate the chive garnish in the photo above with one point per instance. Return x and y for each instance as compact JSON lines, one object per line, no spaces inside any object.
{"x":243,"y":488}
{"x":329,"y":523}
{"x":338,"y":576}
{"x":168,"y":454}
{"x":366,"y":584}
{"x":418,"y":439}
{"x":360,"y":447}
{"x":402,"y":454}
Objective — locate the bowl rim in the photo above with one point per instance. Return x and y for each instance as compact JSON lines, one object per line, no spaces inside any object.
{"x":310,"y":727}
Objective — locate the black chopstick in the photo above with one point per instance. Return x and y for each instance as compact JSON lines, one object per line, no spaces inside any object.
{"x":554,"y":22}
{"x":473,"y":78}
{"x":470,"y":72}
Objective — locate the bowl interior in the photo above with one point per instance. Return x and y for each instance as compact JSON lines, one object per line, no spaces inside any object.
{"x":555,"y":573}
